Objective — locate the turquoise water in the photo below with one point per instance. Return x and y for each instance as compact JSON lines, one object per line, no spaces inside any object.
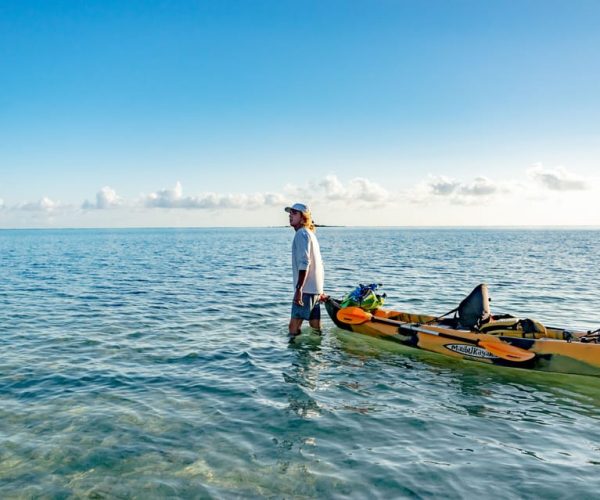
{"x":155,"y":363}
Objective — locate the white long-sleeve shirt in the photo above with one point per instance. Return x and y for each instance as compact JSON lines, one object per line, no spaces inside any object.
{"x":306,"y":255}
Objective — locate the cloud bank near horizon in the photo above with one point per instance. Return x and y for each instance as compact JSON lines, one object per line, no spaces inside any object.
{"x":173,"y":198}
{"x":539,"y":182}
{"x":359,"y":191}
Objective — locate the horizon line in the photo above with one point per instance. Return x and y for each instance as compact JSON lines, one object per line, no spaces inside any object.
{"x":324,"y":226}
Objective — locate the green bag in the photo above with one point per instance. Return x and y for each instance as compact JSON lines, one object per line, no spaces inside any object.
{"x":364,"y":296}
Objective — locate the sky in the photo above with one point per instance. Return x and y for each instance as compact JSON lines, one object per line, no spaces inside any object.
{"x":125,"y":113}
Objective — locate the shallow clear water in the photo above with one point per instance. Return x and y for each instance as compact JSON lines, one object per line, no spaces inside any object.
{"x":155,"y":363}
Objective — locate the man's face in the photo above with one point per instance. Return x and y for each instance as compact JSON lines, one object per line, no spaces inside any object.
{"x":295,"y":218}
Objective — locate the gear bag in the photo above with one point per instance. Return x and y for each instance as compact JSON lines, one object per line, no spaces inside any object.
{"x":364,"y":296}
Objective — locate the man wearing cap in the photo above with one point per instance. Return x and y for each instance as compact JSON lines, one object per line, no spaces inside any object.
{"x":307,"y":269}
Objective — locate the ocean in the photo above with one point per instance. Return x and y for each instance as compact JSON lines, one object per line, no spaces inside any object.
{"x":153,"y":363}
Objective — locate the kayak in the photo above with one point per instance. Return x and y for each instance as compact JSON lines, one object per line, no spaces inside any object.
{"x":497,"y":342}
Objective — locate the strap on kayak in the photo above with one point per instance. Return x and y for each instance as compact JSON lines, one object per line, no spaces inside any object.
{"x":591,"y":337}
{"x":442,"y":316}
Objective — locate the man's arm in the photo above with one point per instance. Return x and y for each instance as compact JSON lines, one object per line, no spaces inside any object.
{"x":299,"y":286}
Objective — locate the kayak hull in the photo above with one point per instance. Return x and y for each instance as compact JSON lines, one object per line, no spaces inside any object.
{"x":419,"y":331}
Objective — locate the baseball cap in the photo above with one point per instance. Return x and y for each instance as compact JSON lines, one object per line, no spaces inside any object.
{"x":300,"y":207}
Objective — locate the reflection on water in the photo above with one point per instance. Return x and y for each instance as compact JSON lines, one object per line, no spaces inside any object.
{"x":303,"y":376}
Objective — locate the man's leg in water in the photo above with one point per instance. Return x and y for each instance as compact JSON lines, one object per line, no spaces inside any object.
{"x":294,"y":328}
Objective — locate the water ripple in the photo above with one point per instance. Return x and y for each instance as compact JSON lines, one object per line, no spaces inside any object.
{"x":155,"y":363}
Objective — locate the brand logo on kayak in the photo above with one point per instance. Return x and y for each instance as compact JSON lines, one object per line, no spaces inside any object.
{"x":470,"y":350}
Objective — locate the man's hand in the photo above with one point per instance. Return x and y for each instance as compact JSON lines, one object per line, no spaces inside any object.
{"x":298,"y":297}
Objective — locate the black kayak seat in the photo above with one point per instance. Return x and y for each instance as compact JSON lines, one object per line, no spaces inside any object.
{"x":474,"y":309}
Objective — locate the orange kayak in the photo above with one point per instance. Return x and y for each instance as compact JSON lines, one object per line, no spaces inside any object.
{"x":558,"y":350}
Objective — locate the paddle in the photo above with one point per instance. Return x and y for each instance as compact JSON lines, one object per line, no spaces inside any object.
{"x":357,"y":316}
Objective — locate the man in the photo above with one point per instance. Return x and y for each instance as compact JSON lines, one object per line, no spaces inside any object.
{"x":307,"y":269}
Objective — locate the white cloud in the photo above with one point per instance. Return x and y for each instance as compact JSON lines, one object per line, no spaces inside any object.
{"x":535,"y":186}
{"x":44,"y":205}
{"x":105,"y":198}
{"x":367,"y":191}
{"x":358,"y":191}
{"x":440,"y":187}
{"x":557,"y":178}
{"x":481,"y":186}
{"x":173,"y":198}
{"x":165,"y":198}
{"x":443,"y":186}
{"x":334,"y":189}
{"x":524,"y":199}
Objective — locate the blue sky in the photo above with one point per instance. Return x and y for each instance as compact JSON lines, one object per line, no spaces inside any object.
{"x":190,"y":113}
